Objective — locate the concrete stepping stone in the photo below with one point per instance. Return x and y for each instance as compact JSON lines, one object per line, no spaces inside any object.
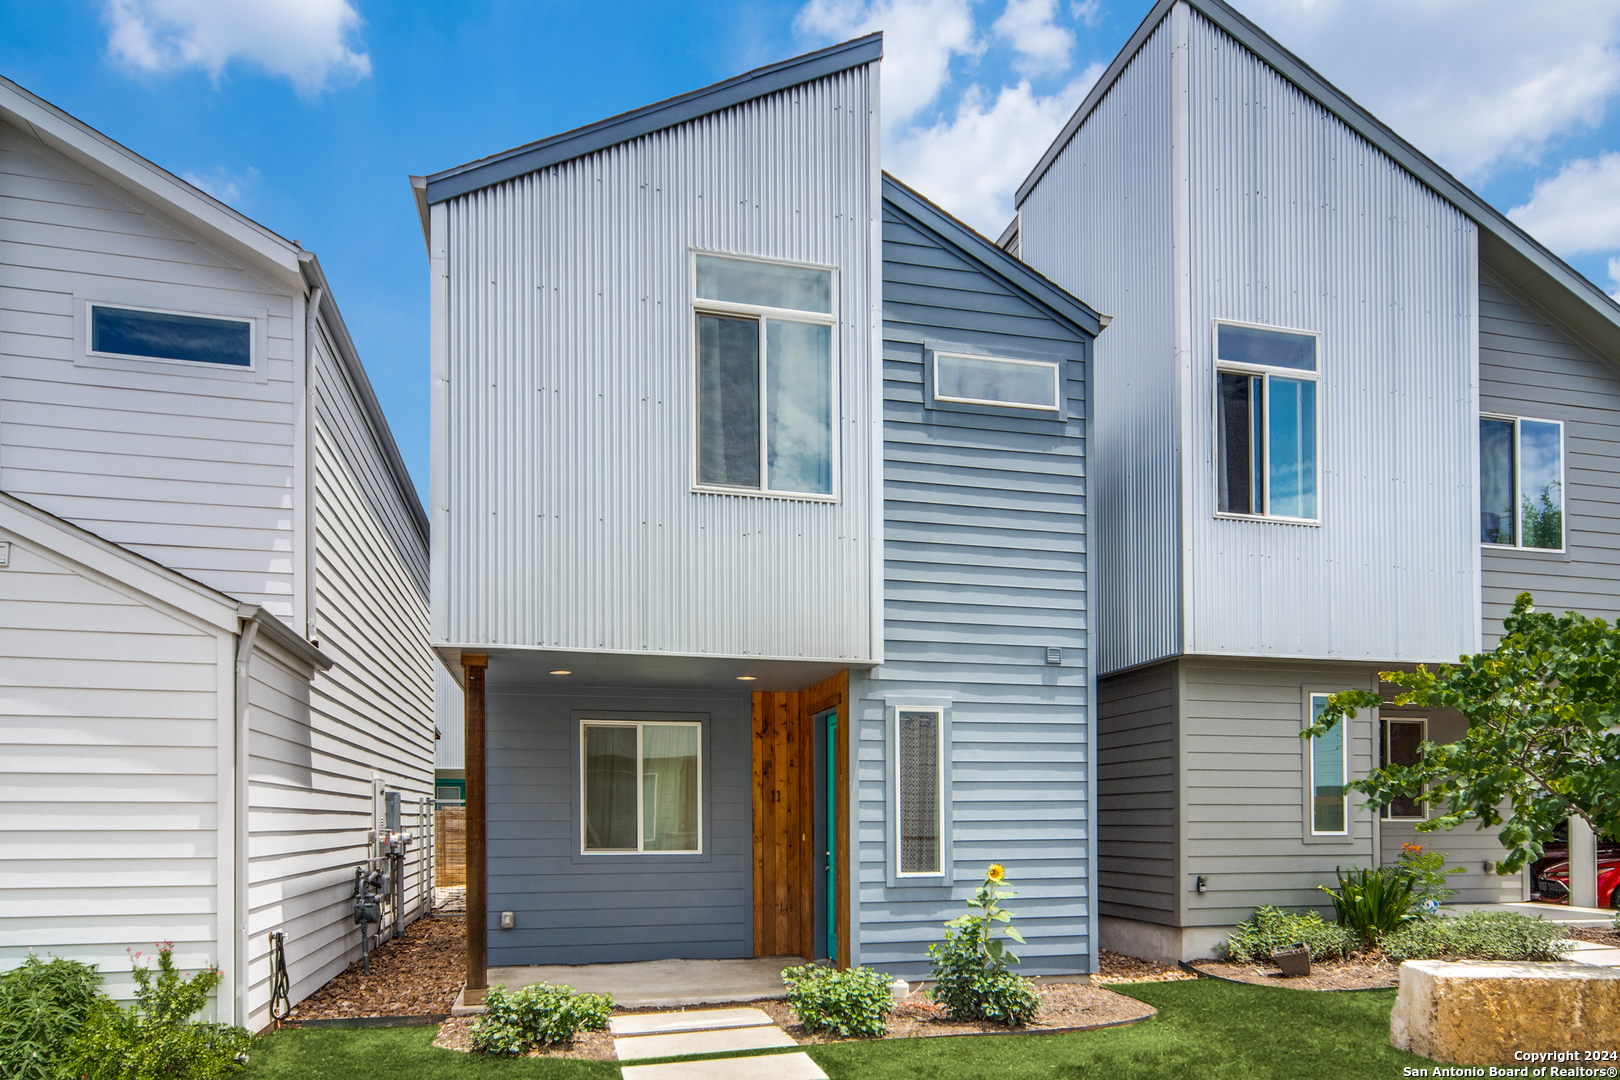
{"x":765,"y":1067}
{"x":1596,"y":957}
{"x":714,"y":1041}
{"x":667,"y":1023}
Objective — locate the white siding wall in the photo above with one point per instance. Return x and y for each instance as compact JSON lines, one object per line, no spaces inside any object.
{"x":191,"y":467}
{"x":114,"y":723}
{"x":569,"y":427}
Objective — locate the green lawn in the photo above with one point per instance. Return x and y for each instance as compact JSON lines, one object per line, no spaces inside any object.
{"x":1205,"y":1029}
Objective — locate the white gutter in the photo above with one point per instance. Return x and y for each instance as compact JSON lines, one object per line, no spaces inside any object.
{"x":312,"y":317}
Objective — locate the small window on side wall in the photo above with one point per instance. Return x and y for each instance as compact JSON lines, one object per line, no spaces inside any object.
{"x":918,"y":772}
{"x":1329,"y":798}
{"x":765,"y":376}
{"x":992,"y":380}
{"x":1521,"y":483}
{"x":173,"y":337}
{"x":1266,"y":422}
{"x":1402,"y":745}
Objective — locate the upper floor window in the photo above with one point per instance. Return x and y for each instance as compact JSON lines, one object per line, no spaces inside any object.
{"x":765,"y":376}
{"x":1521,"y":482}
{"x":144,"y":334}
{"x":992,"y":380}
{"x":1267,"y":457}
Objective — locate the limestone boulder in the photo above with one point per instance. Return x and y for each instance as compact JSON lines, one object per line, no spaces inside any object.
{"x":1489,"y":1013}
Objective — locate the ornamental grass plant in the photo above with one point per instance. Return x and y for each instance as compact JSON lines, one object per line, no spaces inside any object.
{"x":43,"y":1004}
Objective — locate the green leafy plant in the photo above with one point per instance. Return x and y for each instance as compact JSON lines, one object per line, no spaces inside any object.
{"x":1372,"y":903}
{"x":856,"y":1002}
{"x":970,"y":966}
{"x":43,"y":1004}
{"x":1271,"y":928}
{"x":537,"y":1015}
{"x":157,"y":1039}
{"x":1543,"y":713}
{"x":1479,"y":935}
{"x":1426,"y":868}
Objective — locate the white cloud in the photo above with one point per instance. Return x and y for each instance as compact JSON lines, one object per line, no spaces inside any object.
{"x":222,"y":184}
{"x":920,"y":37}
{"x":304,"y":41}
{"x":1578,"y":210}
{"x":1471,"y":83}
{"x":1043,"y":45}
{"x":972,"y":163}
{"x":1087,"y":11}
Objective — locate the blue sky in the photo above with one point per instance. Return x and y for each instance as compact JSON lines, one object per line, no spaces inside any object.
{"x":307,"y":115}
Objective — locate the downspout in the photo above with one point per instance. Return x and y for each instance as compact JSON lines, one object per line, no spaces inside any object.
{"x":312,"y":316}
{"x":244,"y":657}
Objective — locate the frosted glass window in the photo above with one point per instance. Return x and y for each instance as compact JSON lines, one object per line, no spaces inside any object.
{"x":984,"y":380}
{"x":162,"y":335}
{"x":1329,"y":799}
{"x":764,"y":284}
{"x":1266,"y":423}
{"x":641,"y":787}
{"x":918,"y":772}
{"x":1521,"y":482}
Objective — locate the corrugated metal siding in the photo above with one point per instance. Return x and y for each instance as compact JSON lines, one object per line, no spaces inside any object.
{"x":450,"y":717}
{"x":588,"y":909}
{"x":570,"y":441}
{"x":985,"y":527}
{"x":1099,"y":224}
{"x":1299,"y":222}
{"x":1138,"y":784}
{"x":189,"y":468}
{"x":1529,"y":365}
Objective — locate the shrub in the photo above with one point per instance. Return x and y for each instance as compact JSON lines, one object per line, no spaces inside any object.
{"x":970,"y":967}
{"x":1271,"y":928}
{"x":853,"y":1002}
{"x":1479,"y":935}
{"x":535,"y":1016}
{"x":157,"y":1039}
{"x":43,"y":1004}
{"x":1372,"y":903}
{"x":1427,"y":870}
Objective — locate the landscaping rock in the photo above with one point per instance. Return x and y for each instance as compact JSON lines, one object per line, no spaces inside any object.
{"x":1483,"y":1013}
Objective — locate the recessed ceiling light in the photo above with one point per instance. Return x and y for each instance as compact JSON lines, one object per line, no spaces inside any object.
{"x":746,"y":678}
{"x":562,"y":671}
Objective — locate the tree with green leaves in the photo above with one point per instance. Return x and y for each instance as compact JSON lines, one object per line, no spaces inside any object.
{"x":1542,"y":710}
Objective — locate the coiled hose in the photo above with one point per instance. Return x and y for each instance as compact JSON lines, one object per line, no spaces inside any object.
{"x":280,"y":988}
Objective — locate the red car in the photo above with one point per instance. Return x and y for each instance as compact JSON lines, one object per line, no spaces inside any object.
{"x":1555,"y":882}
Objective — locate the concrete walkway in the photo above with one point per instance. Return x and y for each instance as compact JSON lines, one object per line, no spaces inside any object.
{"x":1592,"y":954}
{"x":708,"y":1031}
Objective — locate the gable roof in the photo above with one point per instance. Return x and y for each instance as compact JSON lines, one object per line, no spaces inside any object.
{"x":531,"y":157}
{"x":1506,"y":248}
{"x":977,"y":248}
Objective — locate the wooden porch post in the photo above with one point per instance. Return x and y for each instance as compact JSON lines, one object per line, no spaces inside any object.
{"x":475,"y":665}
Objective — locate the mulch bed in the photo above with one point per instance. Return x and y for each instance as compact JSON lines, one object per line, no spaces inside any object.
{"x":1602,"y":936}
{"x":1354,"y":974}
{"x":418,"y":975}
{"x":1112,"y":967}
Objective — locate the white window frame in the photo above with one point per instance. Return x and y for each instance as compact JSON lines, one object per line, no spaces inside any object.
{"x":1057,"y":381}
{"x":1266,"y":372}
{"x":1518,"y":488}
{"x":89,"y":336}
{"x":1310,"y":768}
{"x":1383,"y":734}
{"x":641,"y":787}
{"x":702,"y":306}
{"x":939,"y":794}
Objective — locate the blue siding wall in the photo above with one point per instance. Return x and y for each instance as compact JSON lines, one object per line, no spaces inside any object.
{"x":984,"y":569}
{"x":577,"y":909}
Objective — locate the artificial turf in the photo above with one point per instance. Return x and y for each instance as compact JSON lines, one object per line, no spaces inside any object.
{"x":1205,"y":1029}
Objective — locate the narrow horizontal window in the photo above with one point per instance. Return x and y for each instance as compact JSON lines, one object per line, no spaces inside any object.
{"x":640,"y":787}
{"x":1266,"y":348}
{"x":1521,"y":482}
{"x":1266,"y":423}
{"x":1403,"y":742}
{"x":162,"y":335}
{"x":764,"y":284}
{"x":986,"y":380}
{"x":1329,"y":799}
{"x":919,"y":807}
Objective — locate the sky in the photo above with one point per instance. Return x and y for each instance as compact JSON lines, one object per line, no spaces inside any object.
{"x":308,"y":115}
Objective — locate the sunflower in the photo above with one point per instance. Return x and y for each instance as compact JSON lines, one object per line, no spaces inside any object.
{"x":995,"y":873}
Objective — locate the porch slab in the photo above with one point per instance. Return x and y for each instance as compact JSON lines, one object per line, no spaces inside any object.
{"x":694,"y":1020}
{"x":1558,"y":913}
{"x":692,"y":1043}
{"x":661,"y":983}
{"x":765,"y":1067}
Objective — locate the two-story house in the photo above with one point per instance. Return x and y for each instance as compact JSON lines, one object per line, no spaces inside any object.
{"x":213,"y":581}
{"x":759,"y":542}
{"x":1346,"y":411}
